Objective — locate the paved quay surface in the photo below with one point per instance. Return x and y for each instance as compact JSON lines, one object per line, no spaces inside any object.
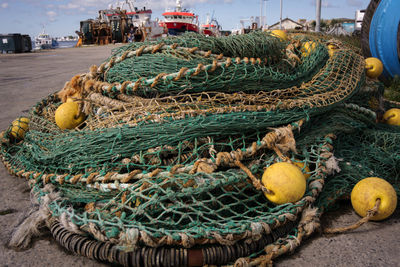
{"x":27,"y":78}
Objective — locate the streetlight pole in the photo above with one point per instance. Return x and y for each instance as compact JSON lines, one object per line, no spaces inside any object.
{"x":266,"y":9}
{"x":318,"y":16}
{"x":261,"y":13}
{"x":280,"y":21}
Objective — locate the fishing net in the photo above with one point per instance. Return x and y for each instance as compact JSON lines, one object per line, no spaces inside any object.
{"x":166,"y":168}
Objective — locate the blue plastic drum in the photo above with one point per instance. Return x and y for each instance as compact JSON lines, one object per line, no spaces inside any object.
{"x":384,"y":36}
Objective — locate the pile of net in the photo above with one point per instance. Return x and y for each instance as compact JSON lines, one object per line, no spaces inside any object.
{"x":166,"y":168}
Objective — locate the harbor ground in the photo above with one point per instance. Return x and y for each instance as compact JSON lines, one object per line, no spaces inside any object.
{"x":27,"y":78}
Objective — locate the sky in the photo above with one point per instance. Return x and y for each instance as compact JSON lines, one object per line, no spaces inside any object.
{"x":62,"y":17}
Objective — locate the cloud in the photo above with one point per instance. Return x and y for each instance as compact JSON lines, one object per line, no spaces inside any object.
{"x":97,"y":4}
{"x":70,"y":6}
{"x":52,"y":9}
{"x":356,"y":3}
{"x":51,"y":15}
{"x":17,"y":21}
{"x":164,"y":4}
{"x":92,"y":6}
{"x":324,"y":4}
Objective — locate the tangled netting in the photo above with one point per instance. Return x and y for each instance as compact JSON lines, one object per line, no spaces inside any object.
{"x":166,"y":167}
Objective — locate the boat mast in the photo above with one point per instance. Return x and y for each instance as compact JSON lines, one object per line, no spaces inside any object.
{"x":131,"y":5}
{"x":208,"y":19}
{"x":280,"y":20}
{"x":265,"y":17}
{"x":261,"y":13}
{"x":43,"y":30}
{"x":178,"y":5}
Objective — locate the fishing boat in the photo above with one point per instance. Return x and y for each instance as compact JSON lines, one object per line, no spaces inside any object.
{"x":211,"y":27}
{"x":180,"y":20}
{"x":44,"y":41}
{"x":120,"y":23}
{"x":138,"y":27}
{"x":136,"y":16}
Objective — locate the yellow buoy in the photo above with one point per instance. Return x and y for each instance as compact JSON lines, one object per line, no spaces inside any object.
{"x":73,"y":97}
{"x":331,"y":49}
{"x":307,"y":48}
{"x":367,"y":191}
{"x":392,"y":116}
{"x":304,"y":168}
{"x":280,"y":34}
{"x":19,"y":127}
{"x":374,"y":67}
{"x":68,"y":116}
{"x":285,"y":183}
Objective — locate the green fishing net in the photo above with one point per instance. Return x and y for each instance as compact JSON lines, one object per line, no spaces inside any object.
{"x":169,"y":123}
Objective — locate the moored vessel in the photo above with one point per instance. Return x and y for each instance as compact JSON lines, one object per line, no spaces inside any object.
{"x":180,"y":20}
{"x":44,"y":41}
{"x":120,"y":24}
{"x":211,"y":27}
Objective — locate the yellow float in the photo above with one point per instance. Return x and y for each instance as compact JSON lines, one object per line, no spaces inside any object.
{"x":68,"y":115}
{"x":280,"y":34}
{"x":285,"y":183}
{"x":307,"y":48}
{"x":366,"y":193}
{"x":374,"y":67}
{"x":304,"y":168}
{"x":19,"y":127}
{"x":332,"y":49}
{"x":392,"y":116}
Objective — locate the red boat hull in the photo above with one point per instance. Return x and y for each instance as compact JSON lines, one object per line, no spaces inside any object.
{"x":175,"y":28}
{"x":208,"y":32}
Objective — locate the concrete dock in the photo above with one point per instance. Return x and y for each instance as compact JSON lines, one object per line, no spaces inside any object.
{"x":27,"y":78}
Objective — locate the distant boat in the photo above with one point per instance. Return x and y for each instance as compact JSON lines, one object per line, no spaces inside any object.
{"x":121,"y":23}
{"x":139,"y":26}
{"x":211,"y":27}
{"x":180,"y":20}
{"x":67,"y":39}
{"x":44,"y":41}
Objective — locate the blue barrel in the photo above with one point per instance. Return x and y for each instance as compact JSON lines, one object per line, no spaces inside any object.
{"x":383,"y":35}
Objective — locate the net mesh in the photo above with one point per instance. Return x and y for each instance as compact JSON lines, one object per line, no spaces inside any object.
{"x":169,"y":124}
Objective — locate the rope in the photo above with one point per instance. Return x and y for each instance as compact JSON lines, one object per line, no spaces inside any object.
{"x":370,"y":214}
{"x":257,"y":184}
